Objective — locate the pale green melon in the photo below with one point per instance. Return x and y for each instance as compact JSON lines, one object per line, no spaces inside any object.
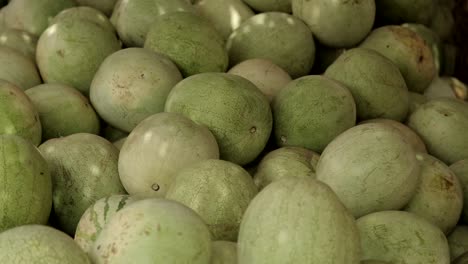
{"x":410,"y":53}
{"x":415,"y":101}
{"x":26,"y":187}
{"x":311,"y":111}
{"x":402,"y":238}
{"x":224,"y":252}
{"x":219,"y":191}
{"x":439,"y":197}
{"x":337,"y":23}
{"x":84,"y":170}
{"x":235,"y":111}
{"x":458,"y":241}
{"x":112,"y":134}
{"x":285,"y":162}
{"x":270,"y":5}
{"x":19,"y":40}
{"x":152,"y":231}
{"x":190,"y":41}
{"x":375,"y":82}
{"x":158,"y":148}
{"x":38,"y":244}
{"x":133,"y":19}
{"x":96,"y":217}
{"x":85,"y":13}
{"x":63,"y":111}
{"x":105,"y":6}
{"x":70,"y":52}
{"x":401,"y":11}
{"x":18,"y":69}
{"x":460,"y":169}
{"x":131,"y":85}
{"x":18,"y":116}
{"x":265,"y":74}
{"x":298,"y":220}
{"x":279,"y":37}
{"x":441,"y":123}
{"x":371,"y":167}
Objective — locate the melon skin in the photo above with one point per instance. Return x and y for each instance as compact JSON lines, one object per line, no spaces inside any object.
{"x":235,"y":111}
{"x":105,"y":6}
{"x":402,"y":238}
{"x":219,"y":191}
{"x":119,"y":143}
{"x":26,"y":185}
{"x":224,"y":252}
{"x":19,"y":40}
{"x":458,"y":241}
{"x":151,"y":231}
{"x":39,"y":244}
{"x":401,"y":11}
{"x":271,"y":231}
{"x":18,"y":68}
{"x":460,"y":169}
{"x":85,"y":13}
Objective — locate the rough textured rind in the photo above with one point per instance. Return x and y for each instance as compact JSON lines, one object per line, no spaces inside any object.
{"x":151,"y":231}
{"x":460,"y":169}
{"x":408,"y":51}
{"x":190,"y":41}
{"x":235,"y":111}
{"x":402,"y":238}
{"x":441,"y":123}
{"x":158,"y":148}
{"x":371,"y":167}
{"x":279,"y":37}
{"x":131,"y":85}
{"x":18,"y":69}
{"x":219,"y":191}
{"x":85,"y":13}
{"x":375,"y":82}
{"x":439,"y":197}
{"x":39,"y":245}
{"x":270,"y":5}
{"x":271,"y":231}
{"x":26,"y":186}
{"x":105,"y":6}
{"x":401,"y":11}
{"x":18,"y":115}
{"x":84,"y":170}
{"x":70,"y":52}
{"x":224,"y":252}
{"x":311,"y":111}
{"x":337,"y":23}
{"x":458,"y":241}
{"x":19,"y":40}
{"x":63,"y":111}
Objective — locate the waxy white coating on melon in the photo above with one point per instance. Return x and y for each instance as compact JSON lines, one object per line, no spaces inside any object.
{"x":458,"y":241}
{"x":224,"y":252}
{"x":298,"y":220}
{"x":460,"y":169}
{"x":18,"y":69}
{"x":371,"y":167}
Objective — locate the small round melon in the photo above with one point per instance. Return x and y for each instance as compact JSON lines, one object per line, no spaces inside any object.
{"x":18,"y":116}
{"x":371,"y":167}
{"x":18,"y":69}
{"x":279,"y":37}
{"x":375,"y":82}
{"x":410,"y":53}
{"x":442,"y":124}
{"x":265,"y":74}
{"x":70,"y":52}
{"x":105,"y":6}
{"x":39,"y":244}
{"x":190,"y":41}
{"x":63,"y":111}
{"x":460,"y":169}
{"x":84,"y":170}
{"x":270,"y":5}
{"x":311,"y":111}
{"x":415,"y":101}
{"x":298,"y":220}
{"x":131,"y":85}
{"x":151,"y":231}
{"x":337,"y":23}
{"x":158,"y":148}
{"x":402,"y":237}
{"x":458,"y":241}
{"x":85,"y":13}
{"x":285,"y":162}
{"x":219,"y":191}
{"x":26,"y":187}
{"x":401,"y":11}
{"x":224,"y":252}
{"x":19,"y":40}
{"x":235,"y":111}
{"x":96,"y":217}
{"x":439,"y":197}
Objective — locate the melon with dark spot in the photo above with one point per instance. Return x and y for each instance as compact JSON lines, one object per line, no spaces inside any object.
{"x":402,"y":237}
{"x":298,"y":220}
{"x":311,"y":111}
{"x":235,"y":111}
{"x":86,"y":13}
{"x":458,"y":241}
{"x":19,"y":40}
{"x":408,"y":51}
{"x":96,"y":217}
{"x":18,"y":69}
{"x":105,"y":6}
{"x":439,"y":196}
{"x":18,"y":115}
{"x":282,"y":38}
{"x":219,"y":191}
{"x":270,"y":5}
{"x":84,"y":170}
{"x":26,"y":187}
{"x":285,"y":162}
{"x":224,"y":252}
{"x":190,"y":41}
{"x":460,"y":169}
{"x":441,"y":123}
{"x":39,"y":244}
{"x":153,"y":231}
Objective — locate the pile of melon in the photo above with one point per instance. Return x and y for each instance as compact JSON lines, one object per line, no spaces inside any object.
{"x":231,"y":132}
